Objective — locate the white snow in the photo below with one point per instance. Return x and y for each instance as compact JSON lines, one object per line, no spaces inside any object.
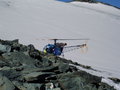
{"x":34,"y":20}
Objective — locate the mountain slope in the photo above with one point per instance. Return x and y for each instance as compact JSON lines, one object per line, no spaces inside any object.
{"x":33,"y":20}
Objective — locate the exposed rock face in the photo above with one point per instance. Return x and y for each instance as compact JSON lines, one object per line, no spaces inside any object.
{"x":116,"y":80}
{"x":91,"y":1}
{"x":26,"y":68}
{"x":5,"y":83}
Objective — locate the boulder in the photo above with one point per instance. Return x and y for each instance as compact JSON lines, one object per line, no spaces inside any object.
{"x":46,"y":62}
{"x":4,"y":49}
{"x":90,"y":1}
{"x":34,"y":53}
{"x":10,"y":74}
{"x":9,"y":42}
{"x":78,"y":81}
{"x":6,"y":84}
{"x":115,"y":80}
{"x":63,"y":67}
{"x":27,"y":86}
{"x":32,"y":86}
{"x":104,"y":86}
{"x":37,"y":77}
{"x":2,"y":64}
{"x":56,"y":89}
{"x":49,"y":86}
{"x":18,"y":59}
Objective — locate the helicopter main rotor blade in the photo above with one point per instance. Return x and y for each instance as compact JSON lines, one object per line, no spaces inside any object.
{"x":72,"y":39}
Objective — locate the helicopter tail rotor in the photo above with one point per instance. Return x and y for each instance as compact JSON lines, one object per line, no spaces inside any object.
{"x":84,"y":47}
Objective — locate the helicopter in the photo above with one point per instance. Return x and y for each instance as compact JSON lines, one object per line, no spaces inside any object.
{"x":58,"y":49}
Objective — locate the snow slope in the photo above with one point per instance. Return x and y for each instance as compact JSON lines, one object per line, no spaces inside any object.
{"x":34,"y":20}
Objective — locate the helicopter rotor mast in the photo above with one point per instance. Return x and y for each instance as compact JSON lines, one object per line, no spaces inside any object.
{"x":83,"y":46}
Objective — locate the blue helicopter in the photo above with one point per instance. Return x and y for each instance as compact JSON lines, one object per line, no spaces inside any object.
{"x":59,"y":48}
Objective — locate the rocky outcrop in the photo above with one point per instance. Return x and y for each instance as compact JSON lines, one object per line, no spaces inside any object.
{"x":5,"y":83}
{"x":26,"y":68}
{"x":116,"y":80}
{"x":90,"y":1}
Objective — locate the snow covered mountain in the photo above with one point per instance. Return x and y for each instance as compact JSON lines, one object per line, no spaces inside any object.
{"x":34,"y":20}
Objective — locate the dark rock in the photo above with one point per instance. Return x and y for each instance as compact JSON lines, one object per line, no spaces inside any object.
{"x":46,"y":62}
{"x":4,"y":49}
{"x":32,"y":86}
{"x":43,"y":87}
{"x":18,"y":59}
{"x":56,"y":89}
{"x":52,"y":78}
{"x":37,"y":77}
{"x":104,"y":86}
{"x":8,"y":42}
{"x":26,"y":68}
{"x":72,"y":69}
{"x":11,"y":74}
{"x":18,"y":68}
{"x":13,"y":45}
{"x":78,"y":81}
{"x":116,"y":80}
{"x":63,"y":67}
{"x":42,"y":69}
{"x":75,"y":63}
{"x":6,"y":84}
{"x":2,"y":64}
{"x":34,"y":53}
{"x":19,"y":85}
{"x":91,"y":1}
{"x":27,"y":86}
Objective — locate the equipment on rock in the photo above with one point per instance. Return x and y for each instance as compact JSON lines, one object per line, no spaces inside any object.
{"x":59,"y":48}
